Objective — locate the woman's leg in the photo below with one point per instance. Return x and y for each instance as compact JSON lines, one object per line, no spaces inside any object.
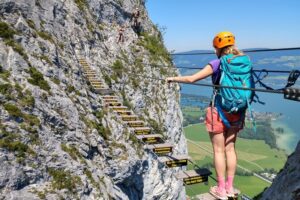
{"x":231,"y":158}
{"x":218,"y":142}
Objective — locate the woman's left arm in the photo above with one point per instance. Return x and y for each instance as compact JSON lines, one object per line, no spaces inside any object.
{"x":205,"y":72}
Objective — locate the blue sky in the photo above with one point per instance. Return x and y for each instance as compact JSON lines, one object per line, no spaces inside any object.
{"x":192,"y":24}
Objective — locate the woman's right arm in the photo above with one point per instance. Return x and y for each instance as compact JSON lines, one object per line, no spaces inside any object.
{"x":205,"y":72}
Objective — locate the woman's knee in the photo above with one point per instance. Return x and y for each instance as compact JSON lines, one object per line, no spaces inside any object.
{"x":230,"y":148}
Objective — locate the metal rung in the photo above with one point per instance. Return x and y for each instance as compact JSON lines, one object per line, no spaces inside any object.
{"x":151,"y":138}
{"x":175,"y":161}
{"x":160,"y":149}
{"x":194,"y":176}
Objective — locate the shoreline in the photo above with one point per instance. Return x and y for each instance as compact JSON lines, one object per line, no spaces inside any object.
{"x":283,"y":140}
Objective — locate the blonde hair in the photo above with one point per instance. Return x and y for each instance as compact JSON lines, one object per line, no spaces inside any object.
{"x":232,"y":50}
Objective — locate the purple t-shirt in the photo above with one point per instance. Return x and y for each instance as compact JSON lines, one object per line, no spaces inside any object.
{"x":215,"y":65}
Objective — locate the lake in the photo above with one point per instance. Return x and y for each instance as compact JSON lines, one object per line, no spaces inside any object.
{"x":277,"y":60}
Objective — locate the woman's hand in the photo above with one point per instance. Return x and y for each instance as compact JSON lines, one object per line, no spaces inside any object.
{"x":169,"y":79}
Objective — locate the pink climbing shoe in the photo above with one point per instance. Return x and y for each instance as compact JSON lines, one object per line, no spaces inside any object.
{"x":218,"y":193}
{"x":230,"y":192}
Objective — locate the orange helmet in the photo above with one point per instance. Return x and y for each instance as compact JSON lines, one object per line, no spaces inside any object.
{"x":223,"y":39}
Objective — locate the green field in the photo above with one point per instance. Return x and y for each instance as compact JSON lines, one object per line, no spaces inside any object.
{"x":253,"y":155}
{"x":193,"y":111}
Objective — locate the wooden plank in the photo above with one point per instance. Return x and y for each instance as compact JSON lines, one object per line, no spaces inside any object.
{"x":113,"y":104}
{"x":109,"y":97}
{"x":175,"y":161}
{"x":94,"y":79}
{"x":110,"y":100}
{"x":96,"y":82}
{"x":205,"y":196}
{"x":150,"y":138}
{"x":141,"y":130}
{"x":129,"y":117}
{"x":160,"y":149}
{"x":124,"y":112}
{"x":135,"y":124}
{"x":118,"y":107}
{"x":194,"y":176}
{"x":106,"y":91}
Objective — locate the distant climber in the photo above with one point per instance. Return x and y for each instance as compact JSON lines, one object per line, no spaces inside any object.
{"x":135,"y":17}
{"x":121,"y":34}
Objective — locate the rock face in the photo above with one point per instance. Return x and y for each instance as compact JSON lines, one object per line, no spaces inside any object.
{"x":287,"y":183}
{"x":56,"y":141}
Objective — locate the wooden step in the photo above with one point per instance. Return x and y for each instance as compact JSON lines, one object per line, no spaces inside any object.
{"x":91,"y":75}
{"x":141,"y":130}
{"x":194,"y":176}
{"x":113,"y":104}
{"x":117,"y":108}
{"x":235,"y":197}
{"x":94,"y":79}
{"x":110,"y":100}
{"x":99,"y":85}
{"x":160,"y":149}
{"x":124,"y":112}
{"x":135,"y":124}
{"x":150,"y":138}
{"x":129,"y":117}
{"x":205,"y":196}
{"x":175,"y":161}
{"x":109,"y":97}
{"x":89,"y":71}
{"x":103,"y":91}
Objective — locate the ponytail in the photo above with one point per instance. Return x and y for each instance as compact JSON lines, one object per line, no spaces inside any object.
{"x":232,"y":50}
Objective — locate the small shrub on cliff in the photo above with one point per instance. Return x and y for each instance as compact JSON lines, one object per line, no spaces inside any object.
{"x":17,"y":47}
{"x":72,"y":151}
{"x":5,"y":31}
{"x":30,"y":23}
{"x":64,"y":180}
{"x":13,"y":110}
{"x":81,"y":4}
{"x":155,"y":46}
{"x":118,"y":68}
{"x":45,"y":36}
{"x":37,"y":79}
{"x":11,"y":143}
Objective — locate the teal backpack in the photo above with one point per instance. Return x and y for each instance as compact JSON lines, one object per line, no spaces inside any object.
{"x":236,"y":71}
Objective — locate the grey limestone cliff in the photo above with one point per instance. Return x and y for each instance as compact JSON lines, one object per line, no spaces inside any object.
{"x":56,"y":140}
{"x":287,"y":183}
